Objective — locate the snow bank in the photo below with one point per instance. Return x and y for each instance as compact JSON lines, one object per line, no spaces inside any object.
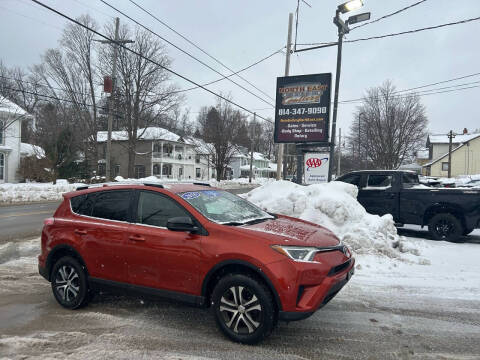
{"x":30,"y":192}
{"x":334,"y":206}
{"x":15,"y":250}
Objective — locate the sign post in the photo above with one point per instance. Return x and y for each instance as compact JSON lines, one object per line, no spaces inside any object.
{"x":302,"y":112}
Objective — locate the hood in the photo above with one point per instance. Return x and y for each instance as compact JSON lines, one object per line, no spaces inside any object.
{"x":286,"y":230}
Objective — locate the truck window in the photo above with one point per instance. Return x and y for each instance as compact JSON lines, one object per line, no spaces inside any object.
{"x":379,"y":181}
{"x":409,"y":180}
{"x":353,"y":179}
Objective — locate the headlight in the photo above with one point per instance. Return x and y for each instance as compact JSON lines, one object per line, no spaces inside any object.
{"x":297,"y":253}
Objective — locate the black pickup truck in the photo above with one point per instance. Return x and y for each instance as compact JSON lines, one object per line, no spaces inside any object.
{"x":448,"y":213}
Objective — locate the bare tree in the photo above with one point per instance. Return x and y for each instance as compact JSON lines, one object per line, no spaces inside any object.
{"x":219,"y":126}
{"x":144,"y":91}
{"x":390,"y":127}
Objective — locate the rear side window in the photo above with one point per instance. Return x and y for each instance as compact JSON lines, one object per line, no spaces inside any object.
{"x":155,"y":209}
{"x":112,"y":205}
{"x":379,"y":181}
{"x":82,"y":204}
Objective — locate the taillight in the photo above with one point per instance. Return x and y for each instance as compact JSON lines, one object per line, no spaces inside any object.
{"x":49,"y":221}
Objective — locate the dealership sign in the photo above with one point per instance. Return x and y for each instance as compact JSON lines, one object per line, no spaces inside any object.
{"x":316,"y":168}
{"x":302,"y":109}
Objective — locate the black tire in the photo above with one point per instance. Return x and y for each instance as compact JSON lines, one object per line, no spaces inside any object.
{"x":467,"y":231}
{"x":243,"y":308}
{"x":69,"y":283}
{"x":445,"y":226}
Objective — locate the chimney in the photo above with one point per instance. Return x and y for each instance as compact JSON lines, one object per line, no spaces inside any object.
{"x":465,"y":131}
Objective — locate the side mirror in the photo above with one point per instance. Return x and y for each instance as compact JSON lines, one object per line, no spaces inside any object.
{"x":182,"y":223}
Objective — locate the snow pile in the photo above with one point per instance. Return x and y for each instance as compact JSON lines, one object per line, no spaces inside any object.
{"x":335,"y":207}
{"x":16,"y":250}
{"x":30,"y":192}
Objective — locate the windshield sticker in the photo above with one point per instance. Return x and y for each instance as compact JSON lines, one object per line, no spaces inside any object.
{"x":211,"y":193}
{"x":190,"y":195}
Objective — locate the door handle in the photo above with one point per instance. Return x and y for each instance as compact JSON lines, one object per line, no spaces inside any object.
{"x":136,"y":238}
{"x":80,"y":232}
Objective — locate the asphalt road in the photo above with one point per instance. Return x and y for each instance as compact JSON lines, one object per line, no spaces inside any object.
{"x":23,"y":221}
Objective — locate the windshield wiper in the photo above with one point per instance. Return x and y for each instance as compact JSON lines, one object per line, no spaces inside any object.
{"x":233,"y":223}
{"x":257,"y":221}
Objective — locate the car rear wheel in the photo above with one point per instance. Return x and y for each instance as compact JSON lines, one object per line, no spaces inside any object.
{"x":69,"y":283}
{"x":445,"y":227}
{"x":244,"y":308}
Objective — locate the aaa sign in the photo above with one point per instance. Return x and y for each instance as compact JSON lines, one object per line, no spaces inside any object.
{"x":316,"y":168}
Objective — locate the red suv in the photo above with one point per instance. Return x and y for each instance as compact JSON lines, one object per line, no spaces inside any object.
{"x":196,"y":244}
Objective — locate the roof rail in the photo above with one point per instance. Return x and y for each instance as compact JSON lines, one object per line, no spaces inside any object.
{"x":202,"y":184}
{"x":154,"y":185}
{"x":85,"y":187}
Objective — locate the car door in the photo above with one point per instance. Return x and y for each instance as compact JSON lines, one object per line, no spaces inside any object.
{"x":104,"y":232}
{"x":378,"y":195}
{"x":158,"y":257}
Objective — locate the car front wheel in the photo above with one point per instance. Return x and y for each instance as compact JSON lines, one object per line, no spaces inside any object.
{"x":244,"y":309}
{"x":69,"y":283}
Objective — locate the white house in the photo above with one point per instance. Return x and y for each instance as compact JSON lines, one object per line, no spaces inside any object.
{"x":262,"y":167}
{"x":11,"y":117}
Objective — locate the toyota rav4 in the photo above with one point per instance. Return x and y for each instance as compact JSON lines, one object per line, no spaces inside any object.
{"x":195,"y":244}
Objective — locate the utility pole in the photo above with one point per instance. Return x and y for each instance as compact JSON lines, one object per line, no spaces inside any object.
{"x":287,"y":72}
{"x":450,"y":135}
{"x":339,"y":153}
{"x":251,"y":146}
{"x":111,"y":103}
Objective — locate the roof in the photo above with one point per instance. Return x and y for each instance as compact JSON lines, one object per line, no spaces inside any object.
{"x":29,"y":150}
{"x":458,"y":139}
{"x":423,"y":153}
{"x":453,"y":150}
{"x":149,"y":133}
{"x":11,"y":108}
{"x":201,"y":146}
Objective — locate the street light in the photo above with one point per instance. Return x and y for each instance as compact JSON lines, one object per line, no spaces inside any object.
{"x":342,"y":30}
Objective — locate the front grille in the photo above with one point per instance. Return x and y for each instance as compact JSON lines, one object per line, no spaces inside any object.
{"x":339,"y":268}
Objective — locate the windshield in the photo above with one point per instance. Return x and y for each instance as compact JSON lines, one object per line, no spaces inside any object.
{"x":224,"y":208}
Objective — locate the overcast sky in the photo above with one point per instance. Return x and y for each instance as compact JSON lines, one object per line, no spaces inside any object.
{"x":242,"y":32}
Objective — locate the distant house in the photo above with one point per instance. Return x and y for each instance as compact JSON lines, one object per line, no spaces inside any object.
{"x":160,"y":153}
{"x":465,"y":155}
{"x":11,"y":147}
{"x":262,"y":167}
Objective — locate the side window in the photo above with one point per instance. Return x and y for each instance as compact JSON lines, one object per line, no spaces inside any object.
{"x":155,"y":209}
{"x":379,"y":181}
{"x":409,"y":180}
{"x":112,"y":205}
{"x":82,"y":204}
{"x":352,"y":179}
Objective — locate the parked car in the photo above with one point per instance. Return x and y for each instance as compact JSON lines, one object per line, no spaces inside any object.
{"x":448,"y":213}
{"x":471,"y":184}
{"x":195,"y":244}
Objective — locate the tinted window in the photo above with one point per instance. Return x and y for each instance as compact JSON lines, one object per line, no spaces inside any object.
{"x":352,"y":179}
{"x":112,"y":205}
{"x":409,"y":180}
{"x":379,"y":180}
{"x":82,"y":204}
{"x":155,"y":209}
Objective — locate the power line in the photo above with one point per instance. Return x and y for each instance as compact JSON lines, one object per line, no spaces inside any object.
{"x":328,"y":44}
{"x":184,"y":51}
{"x":440,"y":82}
{"x":197,"y":47}
{"x":388,"y":15}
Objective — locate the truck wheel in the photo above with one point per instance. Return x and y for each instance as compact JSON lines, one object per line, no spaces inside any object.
{"x":467,"y":231}
{"x":243,"y":308}
{"x":445,"y":227}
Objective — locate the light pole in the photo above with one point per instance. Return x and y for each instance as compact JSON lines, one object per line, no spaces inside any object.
{"x":342,"y":30}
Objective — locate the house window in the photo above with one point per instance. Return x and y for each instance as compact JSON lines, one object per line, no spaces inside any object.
{"x":167,"y":150}
{"x":157,"y":148}
{"x":156,"y":169}
{"x":180,"y":172}
{"x":444,"y":166}
{"x":139,"y":171}
{"x":116,"y":170}
{"x":197,"y":159}
{"x":2,"y":124}
{"x":2,"y":166}
{"x":167,"y":169}
{"x":198,"y":173}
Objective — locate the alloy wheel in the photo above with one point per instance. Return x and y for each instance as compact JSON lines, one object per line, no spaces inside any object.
{"x":67,"y":283}
{"x":241,"y":310}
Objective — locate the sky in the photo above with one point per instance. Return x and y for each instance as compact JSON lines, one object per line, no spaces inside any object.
{"x":239,"y":33}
